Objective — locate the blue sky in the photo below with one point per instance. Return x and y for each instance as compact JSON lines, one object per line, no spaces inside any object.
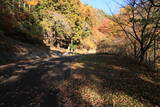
{"x":105,"y":5}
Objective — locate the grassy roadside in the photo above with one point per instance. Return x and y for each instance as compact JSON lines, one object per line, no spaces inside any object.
{"x":110,"y":81}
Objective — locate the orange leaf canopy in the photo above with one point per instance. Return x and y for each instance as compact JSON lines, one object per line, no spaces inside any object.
{"x":31,"y":2}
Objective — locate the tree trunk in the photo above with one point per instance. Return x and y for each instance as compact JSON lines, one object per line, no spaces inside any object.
{"x":19,"y":5}
{"x":13,"y":4}
{"x":29,"y":6}
{"x":154,"y":53}
{"x":24,"y":5}
{"x":135,"y":50}
{"x":142,"y":55}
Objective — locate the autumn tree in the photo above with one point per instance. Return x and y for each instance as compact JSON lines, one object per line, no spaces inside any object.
{"x":155,"y":3}
{"x":62,"y":21}
{"x":141,"y":25}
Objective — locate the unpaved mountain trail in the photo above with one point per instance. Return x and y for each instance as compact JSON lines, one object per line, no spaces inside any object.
{"x":93,"y":80}
{"x":34,"y":82}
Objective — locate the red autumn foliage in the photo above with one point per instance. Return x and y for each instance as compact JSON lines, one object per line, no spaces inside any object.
{"x":104,"y":28}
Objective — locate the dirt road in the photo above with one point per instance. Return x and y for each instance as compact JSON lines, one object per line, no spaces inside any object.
{"x":34,"y":82}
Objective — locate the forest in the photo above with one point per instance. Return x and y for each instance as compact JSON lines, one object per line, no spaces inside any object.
{"x":64,"y":53}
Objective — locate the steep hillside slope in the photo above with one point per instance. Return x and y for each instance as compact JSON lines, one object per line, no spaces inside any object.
{"x":48,"y":24}
{"x":13,"y":50}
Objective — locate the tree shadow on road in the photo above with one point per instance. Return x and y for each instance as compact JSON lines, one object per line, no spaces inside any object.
{"x":92,"y":80}
{"x":33,"y":83}
{"x":108,"y":80}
